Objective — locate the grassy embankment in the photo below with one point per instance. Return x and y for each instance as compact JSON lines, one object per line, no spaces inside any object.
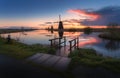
{"x":20,"y":50}
{"x":79,"y":30}
{"x":111,"y":32}
{"x":14,"y":30}
{"x":110,"y":37}
{"x":88,"y":57}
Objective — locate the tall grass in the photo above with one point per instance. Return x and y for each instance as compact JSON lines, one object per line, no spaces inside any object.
{"x":88,"y":57}
{"x":20,"y":50}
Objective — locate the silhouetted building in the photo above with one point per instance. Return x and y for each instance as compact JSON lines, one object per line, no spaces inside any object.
{"x":60,"y":27}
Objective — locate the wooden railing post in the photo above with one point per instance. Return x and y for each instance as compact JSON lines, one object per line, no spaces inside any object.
{"x":70,"y":46}
{"x":51,"y":43}
{"x":77,"y":42}
{"x":54,"y":42}
{"x":59,"y":42}
{"x":64,"y":41}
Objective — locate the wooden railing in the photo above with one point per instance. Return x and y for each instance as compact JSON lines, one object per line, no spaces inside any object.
{"x":54,"y":43}
{"x":74,"y":44}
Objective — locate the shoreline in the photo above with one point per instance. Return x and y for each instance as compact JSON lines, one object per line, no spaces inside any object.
{"x":20,"y":50}
{"x":89,"y":58}
{"x":4,"y":31}
{"x":105,"y":36}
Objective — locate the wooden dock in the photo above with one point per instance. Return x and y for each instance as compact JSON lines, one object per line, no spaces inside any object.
{"x":56,"y":62}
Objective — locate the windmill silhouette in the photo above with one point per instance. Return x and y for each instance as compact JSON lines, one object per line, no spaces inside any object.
{"x":60,"y":26}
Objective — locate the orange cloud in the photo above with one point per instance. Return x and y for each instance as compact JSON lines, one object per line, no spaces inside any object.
{"x":89,"y":41}
{"x":85,"y":14}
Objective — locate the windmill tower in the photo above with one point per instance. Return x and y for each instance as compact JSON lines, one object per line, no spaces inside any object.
{"x":60,"y":27}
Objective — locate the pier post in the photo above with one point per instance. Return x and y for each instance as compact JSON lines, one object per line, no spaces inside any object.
{"x":77,"y":42}
{"x":51,"y":43}
{"x":59,"y":42}
{"x":64,"y":41}
{"x":70,"y":46}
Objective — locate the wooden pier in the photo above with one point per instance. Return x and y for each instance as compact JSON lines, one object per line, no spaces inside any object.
{"x":56,"y":62}
{"x":53,"y":42}
{"x":74,"y":44}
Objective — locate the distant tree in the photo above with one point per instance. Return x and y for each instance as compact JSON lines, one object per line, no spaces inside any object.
{"x":87,"y":30}
{"x":112,"y":29}
{"x":52,"y":28}
{"x":112,"y":26}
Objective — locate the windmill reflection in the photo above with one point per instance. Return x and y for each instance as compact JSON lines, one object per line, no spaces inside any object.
{"x":60,"y":33}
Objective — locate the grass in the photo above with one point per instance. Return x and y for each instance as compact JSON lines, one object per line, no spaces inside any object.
{"x":110,"y":37}
{"x":21,"y":51}
{"x":88,"y":57}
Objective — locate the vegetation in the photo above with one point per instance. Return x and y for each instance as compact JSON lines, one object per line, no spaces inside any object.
{"x":87,"y":30}
{"x":112,"y":32}
{"x":107,"y":36}
{"x":88,"y":57}
{"x":14,"y":30}
{"x":78,"y":29}
{"x":20,"y":50}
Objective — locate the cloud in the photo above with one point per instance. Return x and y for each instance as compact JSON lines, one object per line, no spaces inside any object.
{"x":42,"y":24}
{"x":101,"y":17}
{"x":72,"y":21}
{"x":85,"y":14}
{"x":48,"y":22}
{"x":66,"y":22}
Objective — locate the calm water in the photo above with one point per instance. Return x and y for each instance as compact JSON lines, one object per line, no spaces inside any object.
{"x":104,"y":47}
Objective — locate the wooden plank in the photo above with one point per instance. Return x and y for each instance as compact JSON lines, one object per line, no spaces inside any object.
{"x":51,"y":61}
{"x":42,"y":58}
{"x":34,"y":56}
{"x":62,"y":64}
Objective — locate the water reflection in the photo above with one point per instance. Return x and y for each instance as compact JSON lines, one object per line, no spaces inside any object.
{"x":21,"y":34}
{"x":112,"y":45}
{"x":87,"y":41}
{"x":60,"y":33}
{"x":105,"y":47}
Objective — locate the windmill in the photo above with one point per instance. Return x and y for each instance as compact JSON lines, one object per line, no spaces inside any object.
{"x":60,"y":26}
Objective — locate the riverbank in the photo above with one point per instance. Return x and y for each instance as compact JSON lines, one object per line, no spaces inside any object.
{"x":110,"y":37}
{"x":20,"y":50}
{"x":79,"y":30}
{"x":3,"y":31}
{"x":89,"y":58}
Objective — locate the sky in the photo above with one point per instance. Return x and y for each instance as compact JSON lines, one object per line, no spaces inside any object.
{"x":74,"y":13}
